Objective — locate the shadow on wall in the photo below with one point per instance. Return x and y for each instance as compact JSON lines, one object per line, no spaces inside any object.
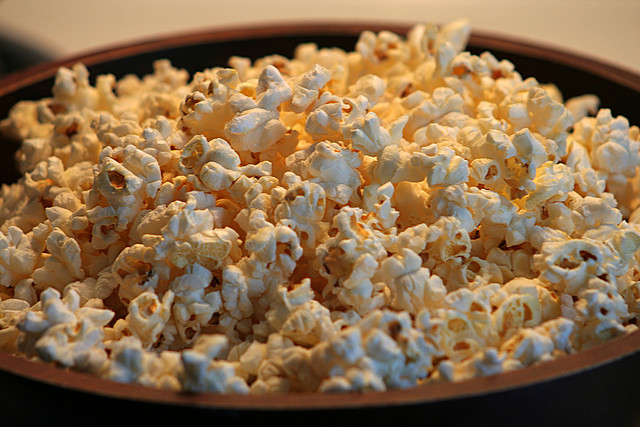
{"x":16,"y":55}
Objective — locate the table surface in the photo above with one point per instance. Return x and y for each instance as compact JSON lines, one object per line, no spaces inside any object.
{"x":604,"y":30}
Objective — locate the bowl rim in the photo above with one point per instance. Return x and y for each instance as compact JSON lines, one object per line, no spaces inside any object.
{"x":599,"y":355}
{"x":565,"y":366}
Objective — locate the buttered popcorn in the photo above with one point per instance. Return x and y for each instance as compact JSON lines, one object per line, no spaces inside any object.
{"x":404,"y":213}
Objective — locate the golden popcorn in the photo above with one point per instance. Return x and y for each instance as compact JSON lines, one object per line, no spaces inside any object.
{"x":397,"y":215}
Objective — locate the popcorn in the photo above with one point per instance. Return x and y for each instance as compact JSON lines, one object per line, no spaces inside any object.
{"x":189,"y":236}
{"x":19,"y":255}
{"x":335,"y":222}
{"x":59,"y":330}
{"x":549,"y":117}
{"x":533,"y":345}
{"x":121,"y":189}
{"x":288,"y":370}
{"x":383,"y":349}
{"x":302,"y":208}
{"x":133,"y":271}
{"x":602,"y":309}
{"x":552,"y":183}
{"x":443,"y":101}
{"x":274,"y":250}
{"x":272,"y":89}
{"x":234,"y":293}
{"x":254,"y":129}
{"x":357,"y":291}
{"x":369,"y":137}
{"x":73,"y":345}
{"x":296,"y":315}
{"x":202,"y":372}
{"x":452,"y":242}
{"x":412,"y":287}
{"x":147,"y":317}
{"x":307,"y":90}
{"x":463,"y":326}
{"x":371,"y":87}
{"x":331,"y":166}
{"x":582,"y":106}
{"x":192,"y":308}
{"x":131,"y":363}
{"x":72,"y":90}
{"x":63,"y":265}
{"x":485,"y":363}
{"x":381,"y":54}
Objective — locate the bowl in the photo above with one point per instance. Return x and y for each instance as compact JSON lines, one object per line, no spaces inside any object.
{"x":598,"y":386}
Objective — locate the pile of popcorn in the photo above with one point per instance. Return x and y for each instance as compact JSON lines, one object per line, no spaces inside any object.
{"x":401,"y":214}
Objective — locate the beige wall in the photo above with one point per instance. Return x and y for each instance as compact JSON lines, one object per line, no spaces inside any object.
{"x":607,"y":29}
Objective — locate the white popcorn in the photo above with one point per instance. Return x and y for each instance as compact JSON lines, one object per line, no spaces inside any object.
{"x":272,"y":89}
{"x":377,"y":198}
{"x":147,"y":317}
{"x":538,"y":344}
{"x":325,"y":122}
{"x":601,"y":311}
{"x":384,"y":349}
{"x":72,"y":89}
{"x":439,"y":166}
{"x":127,"y":360}
{"x":133,"y":271}
{"x":73,"y":345}
{"x":302,"y":208}
{"x":296,"y":315}
{"x":131,"y":363}
{"x":202,"y":372}
{"x":64,"y":264}
{"x":194,"y":154}
{"x":254,"y":130}
{"x":154,"y":144}
{"x":441,"y":102}
{"x":464,"y":326}
{"x":488,"y":362}
{"x":189,"y":236}
{"x":92,"y":289}
{"x":357,"y":291}
{"x":340,"y":221}
{"x":19,"y":254}
{"x":552,"y":183}
{"x":582,"y":106}
{"x":452,"y":242}
{"x":307,"y":90}
{"x":370,"y":86}
{"x":380,"y":52}
{"x":369,"y":137}
{"x":122,"y":188}
{"x":331,"y":166}
{"x":354,"y":379}
{"x":192,"y":308}
{"x":412,"y":287}
{"x":58,"y":329}
{"x":570,"y":264}
{"x":530,"y":346}
{"x":235,"y":293}
{"x":216,"y":176}
{"x":287,"y":370}
{"x":456,"y":32}
{"x":274,"y":250}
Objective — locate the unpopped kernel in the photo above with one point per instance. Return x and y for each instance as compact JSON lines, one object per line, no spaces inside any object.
{"x":401,"y":214}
